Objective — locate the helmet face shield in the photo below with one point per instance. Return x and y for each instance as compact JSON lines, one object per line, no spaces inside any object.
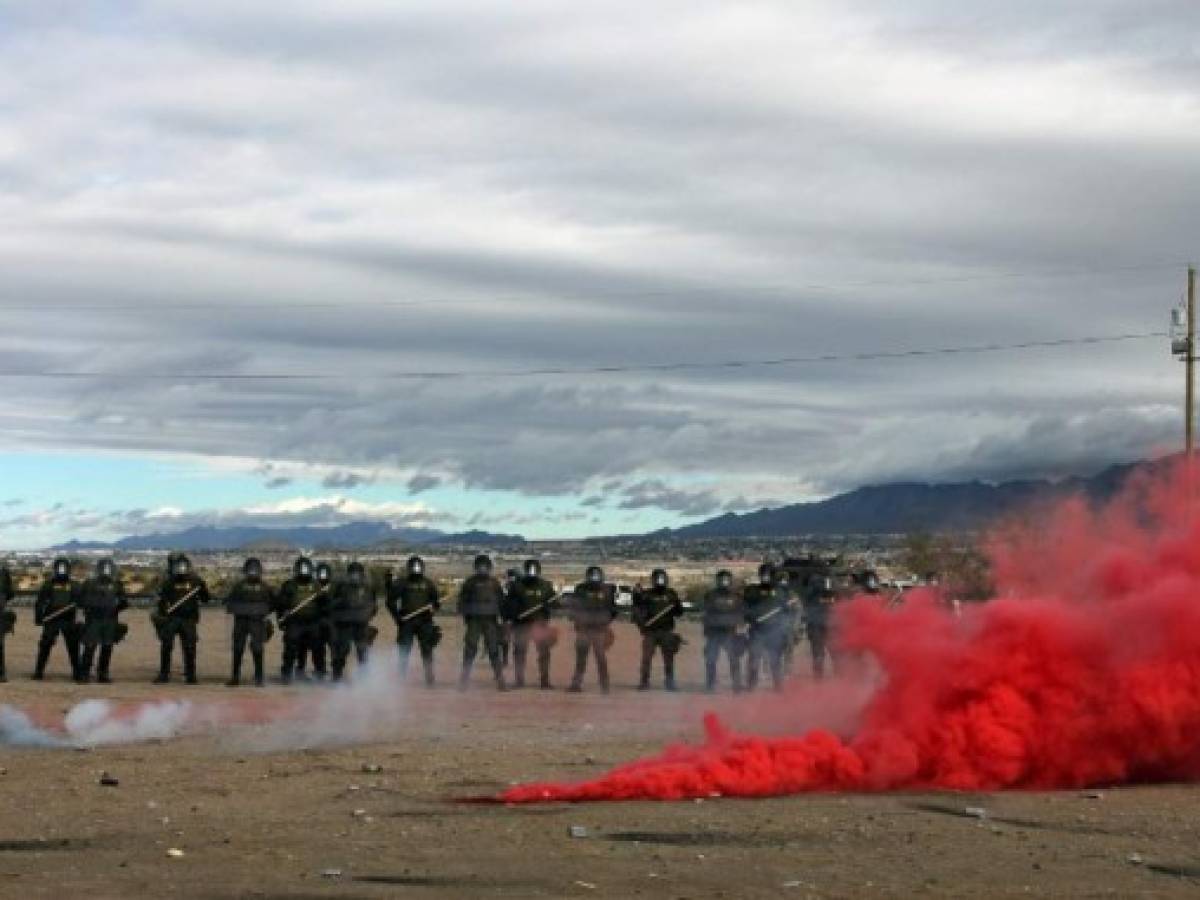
{"x":356,"y":574}
{"x":483,"y":565}
{"x":303,"y":568}
{"x":872,"y":582}
{"x":415,"y":566}
{"x":105,"y":568}
{"x":252,"y":569}
{"x":324,"y":573}
{"x":533,"y":568}
{"x":182,"y":566}
{"x":659,"y":578}
{"x":62,"y":568}
{"x":766,"y":575}
{"x":724,"y":581}
{"x":595,"y":575}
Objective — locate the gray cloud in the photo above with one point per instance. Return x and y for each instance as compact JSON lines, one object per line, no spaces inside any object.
{"x":345,"y":480}
{"x":628,"y":184}
{"x":277,"y":482}
{"x":420,"y":483}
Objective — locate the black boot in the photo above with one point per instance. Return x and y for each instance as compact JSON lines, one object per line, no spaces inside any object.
{"x":164,"y":663}
{"x":428,"y":665}
{"x":86,"y":659}
{"x":189,"y":665}
{"x":257,"y":656}
{"x":102,"y":675}
{"x":235,"y":673}
{"x":3,"y":672}
{"x":43,"y":657}
{"x":669,"y":673}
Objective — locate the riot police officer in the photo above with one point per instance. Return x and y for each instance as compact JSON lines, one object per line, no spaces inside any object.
{"x":102,"y":599}
{"x":654,"y":612}
{"x":724,"y":613}
{"x":300,"y":610}
{"x":593,"y":607}
{"x":177,"y":614}
{"x":8,"y":618}
{"x":531,"y":599}
{"x":57,"y":603}
{"x":351,"y":608}
{"x":250,"y":602}
{"x":768,"y":610}
{"x":412,"y":601}
{"x":479,"y":602}
{"x":819,"y":600}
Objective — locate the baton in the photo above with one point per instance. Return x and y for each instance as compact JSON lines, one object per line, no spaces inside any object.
{"x":662,"y":612}
{"x":182,"y":600}
{"x":529,"y":612}
{"x":764,"y":618}
{"x":416,"y":612}
{"x":53,"y":616}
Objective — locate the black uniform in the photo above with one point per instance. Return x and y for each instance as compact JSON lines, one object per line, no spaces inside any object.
{"x":177,"y":614}
{"x":819,"y":601}
{"x":593,"y":606}
{"x":530,"y":601}
{"x":102,"y":599}
{"x":249,"y":602}
{"x":769,"y":611}
{"x":8,"y":618}
{"x":479,"y":602}
{"x":412,"y":601}
{"x":724,"y":614}
{"x":55,"y":610}
{"x":654,"y":613}
{"x":351,"y":610}
{"x":301,"y":607}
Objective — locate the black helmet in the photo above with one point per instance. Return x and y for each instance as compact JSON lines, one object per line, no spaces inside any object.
{"x":533,"y":568}
{"x":595,"y":575}
{"x":782,"y":576}
{"x":302,"y":567}
{"x":181,"y":565}
{"x":356,"y":574}
{"x":62,"y":568}
{"x":724,"y":579}
{"x":252,"y":568}
{"x":324,"y":573}
{"x":823,"y":583}
{"x":415,"y":566}
{"x":766,"y":574}
{"x":870,"y":581}
{"x":105,"y":568}
{"x":659,"y":578}
{"x":483,"y":564}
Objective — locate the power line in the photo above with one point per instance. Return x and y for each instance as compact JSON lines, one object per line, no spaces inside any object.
{"x":732,"y":290}
{"x":616,"y":369}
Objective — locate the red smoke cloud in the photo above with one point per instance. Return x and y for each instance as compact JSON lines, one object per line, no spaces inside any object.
{"x":1085,"y":671}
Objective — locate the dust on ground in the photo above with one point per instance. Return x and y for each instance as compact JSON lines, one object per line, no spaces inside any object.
{"x":377,"y":819}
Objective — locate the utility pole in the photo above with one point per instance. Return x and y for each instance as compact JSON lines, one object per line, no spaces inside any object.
{"x":1190,"y":390}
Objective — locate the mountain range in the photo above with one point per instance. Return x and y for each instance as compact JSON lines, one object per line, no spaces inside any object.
{"x":351,"y":536}
{"x":911,"y":506}
{"x":876,"y":509}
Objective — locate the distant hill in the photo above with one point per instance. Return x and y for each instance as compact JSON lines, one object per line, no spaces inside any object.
{"x":352,"y":536}
{"x":908,"y":507}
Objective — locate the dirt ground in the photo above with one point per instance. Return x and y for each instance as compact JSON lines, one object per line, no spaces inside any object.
{"x":260,"y":812}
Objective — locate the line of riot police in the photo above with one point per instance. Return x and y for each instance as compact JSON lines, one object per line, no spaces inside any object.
{"x":758,"y":626}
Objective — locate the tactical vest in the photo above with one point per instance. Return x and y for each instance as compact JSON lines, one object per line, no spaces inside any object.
{"x":592,"y":605}
{"x":481,"y":596}
{"x":658,"y":610}
{"x":723,"y":609}
{"x":180,"y":598}
{"x":530,"y":600}
{"x":352,"y":604}
{"x":102,"y":596}
{"x":59,"y":595}
{"x":302,"y":603}
{"x":413,"y":593}
{"x":250,"y":598}
{"x":767,"y":608}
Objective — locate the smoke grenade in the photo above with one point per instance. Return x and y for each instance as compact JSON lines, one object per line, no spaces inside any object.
{"x":1084,"y":671}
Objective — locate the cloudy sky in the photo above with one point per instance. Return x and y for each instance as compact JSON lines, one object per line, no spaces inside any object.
{"x":365,"y":190}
